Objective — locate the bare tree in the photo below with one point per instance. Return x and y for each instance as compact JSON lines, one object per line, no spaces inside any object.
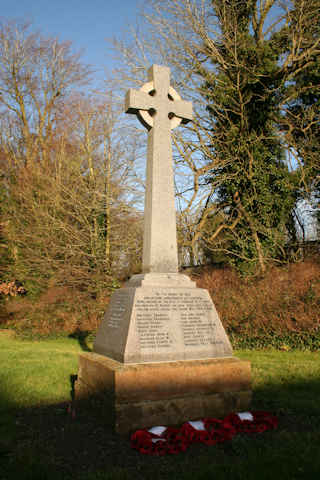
{"x":67,"y":181}
{"x":35,"y":75}
{"x":72,"y":222}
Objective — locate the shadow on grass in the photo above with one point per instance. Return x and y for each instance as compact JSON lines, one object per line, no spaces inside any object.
{"x":75,"y":441}
{"x":82,"y":337}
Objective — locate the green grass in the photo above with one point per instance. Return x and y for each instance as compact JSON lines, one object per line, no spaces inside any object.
{"x":285,"y":381}
{"x":39,"y":441}
{"x":34,"y":373}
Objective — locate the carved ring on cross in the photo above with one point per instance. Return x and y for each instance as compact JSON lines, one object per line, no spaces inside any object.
{"x":147,"y":118}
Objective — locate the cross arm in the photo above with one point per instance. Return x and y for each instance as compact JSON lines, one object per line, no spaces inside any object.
{"x":137,"y":100}
{"x":183,"y":110}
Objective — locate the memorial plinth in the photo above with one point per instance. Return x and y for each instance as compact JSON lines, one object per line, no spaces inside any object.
{"x":161,"y":318}
{"x":161,"y":354}
{"x":133,"y":396}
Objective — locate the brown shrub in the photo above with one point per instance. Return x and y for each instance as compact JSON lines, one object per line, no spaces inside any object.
{"x":58,"y":310}
{"x":285,"y":299}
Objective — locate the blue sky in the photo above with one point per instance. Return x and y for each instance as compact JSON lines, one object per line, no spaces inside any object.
{"x":87,"y":23}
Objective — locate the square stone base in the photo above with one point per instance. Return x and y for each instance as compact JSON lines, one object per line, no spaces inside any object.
{"x":134,"y":396}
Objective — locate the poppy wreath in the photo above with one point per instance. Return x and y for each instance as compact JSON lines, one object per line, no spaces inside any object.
{"x":210,"y":431}
{"x":261,"y":421}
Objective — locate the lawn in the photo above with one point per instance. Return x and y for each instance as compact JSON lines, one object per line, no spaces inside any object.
{"x":40,"y":440}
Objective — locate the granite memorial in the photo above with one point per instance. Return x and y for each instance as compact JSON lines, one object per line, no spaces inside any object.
{"x":161,"y":353}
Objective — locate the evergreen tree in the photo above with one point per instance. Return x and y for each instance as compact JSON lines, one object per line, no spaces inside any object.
{"x":259,"y":191}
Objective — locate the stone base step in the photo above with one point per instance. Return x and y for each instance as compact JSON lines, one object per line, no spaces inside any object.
{"x":133,"y":396}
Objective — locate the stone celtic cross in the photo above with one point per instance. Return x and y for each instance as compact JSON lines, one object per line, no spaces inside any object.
{"x":160,"y":109}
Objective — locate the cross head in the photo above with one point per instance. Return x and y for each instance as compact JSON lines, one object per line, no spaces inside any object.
{"x":157,"y":104}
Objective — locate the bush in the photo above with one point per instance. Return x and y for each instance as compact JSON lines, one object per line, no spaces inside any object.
{"x":279,"y":310}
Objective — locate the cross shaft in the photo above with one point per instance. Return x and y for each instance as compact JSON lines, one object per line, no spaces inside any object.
{"x":159,"y":108}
